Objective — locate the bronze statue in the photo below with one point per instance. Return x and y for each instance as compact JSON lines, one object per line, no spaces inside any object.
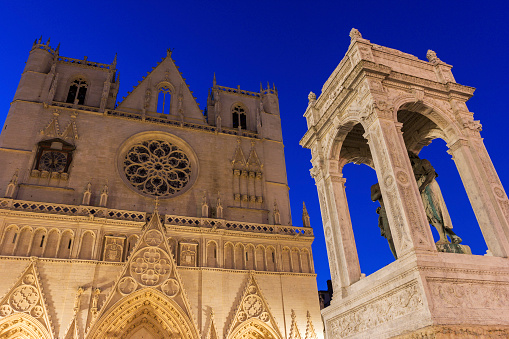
{"x":434,"y":203}
{"x":383,"y":222}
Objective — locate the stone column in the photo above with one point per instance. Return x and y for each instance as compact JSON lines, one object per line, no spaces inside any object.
{"x":341,"y":248}
{"x":485,"y":192}
{"x":405,"y":211}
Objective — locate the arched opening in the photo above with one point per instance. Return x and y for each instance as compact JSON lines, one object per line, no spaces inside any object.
{"x":239,"y":118}
{"x":23,"y":241}
{"x":50,"y":251}
{"x":164,"y":100}
{"x":250,"y":262}
{"x":228,"y":256}
{"x":38,"y":243}
{"x":66,"y":242}
{"x":253,"y":328}
{"x":287,"y":266}
{"x":211,"y":254}
{"x":239,"y":257}
{"x":22,"y":326}
{"x":10,"y":236}
{"x":305,"y":258}
{"x":271,"y":259}
{"x":146,"y":312}
{"x":296,"y":260}
{"x":77,"y":92}
{"x":448,"y":209}
{"x":87,"y":245}
{"x":260,"y":258}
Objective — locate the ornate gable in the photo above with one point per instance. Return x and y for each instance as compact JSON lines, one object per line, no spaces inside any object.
{"x":239,"y":160}
{"x":150,"y":288}
{"x":253,"y":314}
{"x":253,"y":162}
{"x":23,"y":309}
{"x":144,"y":96}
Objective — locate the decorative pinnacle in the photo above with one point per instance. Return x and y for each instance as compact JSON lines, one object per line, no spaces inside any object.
{"x":214,"y":82}
{"x":311,"y":97}
{"x":168,"y":52}
{"x":114,"y":63}
{"x":432,"y":57}
{"x":355,"y":34}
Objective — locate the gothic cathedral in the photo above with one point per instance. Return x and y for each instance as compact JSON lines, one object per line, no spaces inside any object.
{"x":147,"y":218}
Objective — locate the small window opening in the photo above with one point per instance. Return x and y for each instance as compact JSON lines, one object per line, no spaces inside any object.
{"x":77,"y":91}
{"x":273,"y":257}
{"x":69,"y":245}
{"x":215,"y":253}
{"x":239,"y":117}
{"x":42,"y":241}
{"x":164,"y":100}
{"x":14,"y":238}
{"x":246,"y":256}
{"x":128,"y":247}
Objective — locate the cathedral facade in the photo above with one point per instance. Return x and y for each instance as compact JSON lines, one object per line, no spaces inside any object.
{"x":147,"y":218}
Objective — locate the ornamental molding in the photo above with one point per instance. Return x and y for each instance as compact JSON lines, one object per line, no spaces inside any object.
{"x":26,"y":300}
{"x":251,"y":309}
{"x":388,"y":307}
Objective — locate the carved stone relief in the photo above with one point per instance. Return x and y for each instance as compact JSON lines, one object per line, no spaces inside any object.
{"x":113,"y":248}
{"x":188,"y":254}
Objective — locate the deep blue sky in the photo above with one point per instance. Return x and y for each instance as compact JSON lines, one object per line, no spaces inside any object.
{"x":296,"y":45}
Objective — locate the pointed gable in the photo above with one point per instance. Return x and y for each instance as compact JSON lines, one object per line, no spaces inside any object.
{"x":70,"y":132}
{"x":253,"y":313}
{"x":165,"y":75}
{"x":253,"y":162}
{"x":239,"y":160}
{"x":150,"y":267}
{"x":52,"y":129}
{"x":25,"y":300}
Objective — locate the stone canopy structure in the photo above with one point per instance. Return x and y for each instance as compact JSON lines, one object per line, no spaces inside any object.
{"x":380,"y":107}
{"x":149,"y":218}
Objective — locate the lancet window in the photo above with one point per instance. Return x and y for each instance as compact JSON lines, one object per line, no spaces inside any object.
{"x":239,"y":117}
{"x":164,"y":100}
{"x":77,"y":92}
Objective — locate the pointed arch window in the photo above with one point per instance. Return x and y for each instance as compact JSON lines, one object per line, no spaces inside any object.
{"x":164,"y":100}
{"x":77,"y":92}
{"x":239,"y":117}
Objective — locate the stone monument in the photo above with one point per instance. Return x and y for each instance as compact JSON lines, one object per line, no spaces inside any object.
{"x":378,"y":106}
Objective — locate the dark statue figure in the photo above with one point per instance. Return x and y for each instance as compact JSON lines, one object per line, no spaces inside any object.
{"x":432,"y":199}
{"x":383,"y":222}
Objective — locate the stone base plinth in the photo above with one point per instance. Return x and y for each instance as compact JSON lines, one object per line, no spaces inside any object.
{"x":464,"y":331}
{"x":425,"y":295}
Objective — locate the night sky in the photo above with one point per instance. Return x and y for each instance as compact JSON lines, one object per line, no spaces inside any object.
{"x":296,"y":45}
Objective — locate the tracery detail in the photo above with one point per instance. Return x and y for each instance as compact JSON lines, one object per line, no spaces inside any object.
{"x":157,"y":168}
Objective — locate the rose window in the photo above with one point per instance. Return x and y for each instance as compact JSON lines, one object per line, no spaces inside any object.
{"x":157,"y":168}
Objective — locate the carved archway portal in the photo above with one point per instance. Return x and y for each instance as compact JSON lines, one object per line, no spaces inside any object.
{"x":22,"y":326}
{"x":254,"y":329}
{"x":144,"y":314}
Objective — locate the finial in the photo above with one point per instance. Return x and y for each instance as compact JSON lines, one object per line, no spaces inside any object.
{"x":40,"y":39}
{"x":305,"y":216}
{"x":114,"y":63}
{"x":156,"y":205}
{"x":261,"y":87}
{"x":214,"y":80}
{"x":432,"y":57}
{"x":268,"y":85}
{"x":47,"y":42}
{"x":35,"y":42}
{"x":168,"y":52}
{"x":57,"y":50}
{"x":355,"y":34}
{"x":311,"y":97}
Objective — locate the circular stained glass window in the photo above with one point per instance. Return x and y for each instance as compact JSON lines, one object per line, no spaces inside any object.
{"x":157,"y":168}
